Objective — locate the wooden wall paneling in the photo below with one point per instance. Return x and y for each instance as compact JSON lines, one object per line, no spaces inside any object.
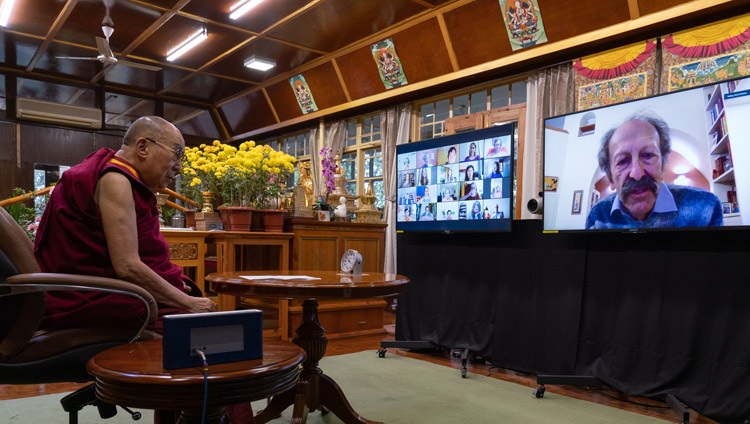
{"x":316,"y":252}
{"x":371,"y":249}
{"x":113,"y":141}
{"x":8,"y":154}
{"x":360,"y":73}
{"x":651,"y":6}
{"x":253,"y":111}
{"x":53,"y":146}
{"x":477,"y":32}
{"x":283,"y":100}
{"x":567,"y":18}
{"x":422,"y":51}
{"x":325,"y":86}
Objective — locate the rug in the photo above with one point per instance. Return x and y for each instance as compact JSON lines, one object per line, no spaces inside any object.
{"x":394,"y":390}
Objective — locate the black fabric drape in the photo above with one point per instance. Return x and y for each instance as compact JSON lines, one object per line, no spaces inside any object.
{"x":649,"y":314}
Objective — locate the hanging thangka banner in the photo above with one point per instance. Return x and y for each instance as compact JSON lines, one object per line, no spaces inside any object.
{"x":615,"y":76}
{"x":389,"y":65}
{"x":523,"y":22}
{"x":303,"y":94}
{"x":707,"y":54}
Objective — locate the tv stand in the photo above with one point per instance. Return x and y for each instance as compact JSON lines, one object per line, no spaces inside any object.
{"x":406,"y":344}
{"x":591,"y":381}
{"x":423,"y":345}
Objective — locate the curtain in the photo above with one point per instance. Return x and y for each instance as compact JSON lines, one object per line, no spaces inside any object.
{"x":335,"y":137}
{"x":394,"y":127}
{"x":550,"y":92}
{"x":317,"y":174}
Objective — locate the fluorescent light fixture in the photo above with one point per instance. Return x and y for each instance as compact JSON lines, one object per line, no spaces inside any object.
{"x":241,"y":7}
{"x":5,"y":10}
{"x":186,"y":45}
{"x":260,"y":64}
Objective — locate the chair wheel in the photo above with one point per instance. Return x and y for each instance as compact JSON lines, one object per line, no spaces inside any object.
{"x":381,"y":353}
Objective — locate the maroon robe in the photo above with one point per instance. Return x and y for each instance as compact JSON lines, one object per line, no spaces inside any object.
{"x":71,"y":240}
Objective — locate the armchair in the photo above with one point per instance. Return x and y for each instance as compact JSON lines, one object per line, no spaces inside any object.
{"x":29,"y":355}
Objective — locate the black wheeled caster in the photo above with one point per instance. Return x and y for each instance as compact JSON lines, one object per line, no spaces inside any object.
{"x":381,"y":353}
{"x":539,"y":392}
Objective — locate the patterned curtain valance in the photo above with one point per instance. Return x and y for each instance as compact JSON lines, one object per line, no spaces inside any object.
{"x":614,"y":63}
{"x":709,"y":40}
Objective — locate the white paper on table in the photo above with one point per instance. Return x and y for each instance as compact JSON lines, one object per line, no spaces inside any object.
{"x":279,"y":277}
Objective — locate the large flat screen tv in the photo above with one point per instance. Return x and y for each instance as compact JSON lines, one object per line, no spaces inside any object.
{"x":706,"y":169}
{"x":460,"y":182}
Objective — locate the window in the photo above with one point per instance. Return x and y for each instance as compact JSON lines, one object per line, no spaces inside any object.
{"x":297,"y":145}
{"x":433,"y":113}
{"x":362,"y":159}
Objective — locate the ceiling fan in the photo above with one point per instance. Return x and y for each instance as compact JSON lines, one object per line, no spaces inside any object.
{"x":105,"y":52}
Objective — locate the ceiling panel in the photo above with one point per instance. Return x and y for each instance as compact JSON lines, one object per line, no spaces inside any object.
{"x":334,"y":24}
{"x":302,"y":36}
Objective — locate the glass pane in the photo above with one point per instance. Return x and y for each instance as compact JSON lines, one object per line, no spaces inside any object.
{"x":300,"y":144}
{"x":427,"y":113}
{"x":377,"y":188}
{"x":351,"y":187}
{"x":373,"y":163}
{"x":518,"y":93}
{"x":478,"y":102}
{"x":425,"y":133}
{"x":349,"y":165}
{"x":500,"y":96}
{"x":442,"y":111}
{"x":461,"y":105}
{"x":376,"y":125}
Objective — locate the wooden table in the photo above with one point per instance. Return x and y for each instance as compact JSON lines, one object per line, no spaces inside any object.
{"x":315,"y":389}
{"x":133,"y":375}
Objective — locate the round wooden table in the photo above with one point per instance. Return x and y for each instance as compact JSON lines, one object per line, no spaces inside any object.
{"x":132,"y":375}
{"x":315,"y":389}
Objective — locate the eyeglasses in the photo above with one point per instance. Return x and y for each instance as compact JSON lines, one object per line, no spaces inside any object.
{"x":178,"y":153}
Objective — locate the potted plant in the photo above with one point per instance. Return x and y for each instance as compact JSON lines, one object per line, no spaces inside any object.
{"x":268,"y":184}
{"x":249,"y":180}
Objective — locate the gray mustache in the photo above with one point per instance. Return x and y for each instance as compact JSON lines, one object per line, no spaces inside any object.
{"x":632,"y":185}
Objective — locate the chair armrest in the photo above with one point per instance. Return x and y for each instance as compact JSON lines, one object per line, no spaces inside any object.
{"x":43,"y":281}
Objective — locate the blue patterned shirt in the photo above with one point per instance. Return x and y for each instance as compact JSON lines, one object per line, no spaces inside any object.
{"x":676,"y":206}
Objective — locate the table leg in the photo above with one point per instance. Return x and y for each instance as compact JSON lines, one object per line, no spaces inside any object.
{"x":213,"y":416}
{"x":315,"y":389}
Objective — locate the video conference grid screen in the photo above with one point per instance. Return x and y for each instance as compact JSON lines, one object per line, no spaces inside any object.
{"x":461,"y":182}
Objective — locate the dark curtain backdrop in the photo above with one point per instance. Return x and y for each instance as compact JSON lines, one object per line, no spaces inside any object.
{"x":649,"y":314}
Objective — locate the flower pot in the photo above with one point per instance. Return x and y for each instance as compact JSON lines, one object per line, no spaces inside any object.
{"x":190,"y":218}
{"x":273,"y":220}
{"x":236,"y":218}
{"x":257,"y":223}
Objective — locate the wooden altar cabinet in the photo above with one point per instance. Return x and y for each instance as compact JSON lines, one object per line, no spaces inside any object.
{"x":318,"y":245}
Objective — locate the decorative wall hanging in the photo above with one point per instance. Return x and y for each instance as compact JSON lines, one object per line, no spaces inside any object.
{"x":523,"y":21}
{"x":304,"y":95}
{"x":389,"y":65}
{"x":615,"y":76}
{"x":706,"y":54}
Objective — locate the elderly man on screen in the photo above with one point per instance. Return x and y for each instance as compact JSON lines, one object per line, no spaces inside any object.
{"x":633,"y":156}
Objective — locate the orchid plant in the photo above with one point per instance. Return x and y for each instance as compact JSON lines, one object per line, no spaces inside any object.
{"x":329,"y":168}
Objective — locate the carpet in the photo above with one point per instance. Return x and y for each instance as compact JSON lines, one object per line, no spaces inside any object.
{"x":394,"y":390}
